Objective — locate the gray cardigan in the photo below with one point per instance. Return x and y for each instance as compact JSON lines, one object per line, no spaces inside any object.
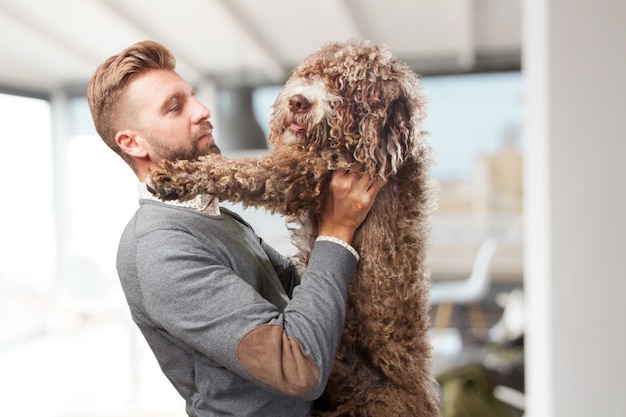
{"x":226,"y":316}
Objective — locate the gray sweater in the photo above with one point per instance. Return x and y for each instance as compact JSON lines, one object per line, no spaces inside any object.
{"x":233,"y":327}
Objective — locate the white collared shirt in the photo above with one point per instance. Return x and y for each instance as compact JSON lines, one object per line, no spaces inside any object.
{"x":202,"y":202}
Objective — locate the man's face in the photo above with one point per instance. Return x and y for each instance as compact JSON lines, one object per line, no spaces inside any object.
{"x":172,"y":123}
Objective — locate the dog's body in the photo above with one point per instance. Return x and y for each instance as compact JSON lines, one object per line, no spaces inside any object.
{"x":349,"y":103}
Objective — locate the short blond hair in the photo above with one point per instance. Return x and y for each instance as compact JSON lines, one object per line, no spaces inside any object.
{"x":108,"y":85}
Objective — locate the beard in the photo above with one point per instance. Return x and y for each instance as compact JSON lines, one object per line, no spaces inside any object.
{"x":193,"y":151}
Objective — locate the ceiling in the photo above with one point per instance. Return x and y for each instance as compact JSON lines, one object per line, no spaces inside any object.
{"x":50,"y":45}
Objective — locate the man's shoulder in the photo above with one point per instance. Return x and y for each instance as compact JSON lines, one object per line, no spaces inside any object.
{"x":155,"y":215}
{"x":151,"y":215}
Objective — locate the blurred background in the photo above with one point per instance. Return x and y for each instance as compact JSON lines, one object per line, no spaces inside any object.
{"x":528,"y":140}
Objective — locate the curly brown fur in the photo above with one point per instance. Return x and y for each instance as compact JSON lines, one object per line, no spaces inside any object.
{"x":345,"y":104}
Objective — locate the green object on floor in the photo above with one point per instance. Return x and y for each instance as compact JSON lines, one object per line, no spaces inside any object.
{"x":468,"y":392}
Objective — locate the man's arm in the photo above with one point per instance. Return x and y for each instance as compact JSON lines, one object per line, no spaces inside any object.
{"x":197,"y":298}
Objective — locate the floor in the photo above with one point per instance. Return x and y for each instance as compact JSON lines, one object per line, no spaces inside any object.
{"x":64,"y":364}
{"x":56,"y":362}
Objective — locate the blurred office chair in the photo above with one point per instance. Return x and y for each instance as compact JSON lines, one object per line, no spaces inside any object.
{"x":470,"y":291}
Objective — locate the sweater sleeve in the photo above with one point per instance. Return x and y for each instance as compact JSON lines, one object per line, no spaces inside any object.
{"x":295,"y":353}
{"x":199,"y":298}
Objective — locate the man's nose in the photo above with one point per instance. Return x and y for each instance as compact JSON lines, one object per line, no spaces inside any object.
{"x":201,"y":112}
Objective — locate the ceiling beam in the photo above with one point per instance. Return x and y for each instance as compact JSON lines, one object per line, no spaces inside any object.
{"x":467,"y":41}
{"x":192,"y":72}
{"x":352,"y":13}
{"x":43,"y":32}
{"x":249,"y":27}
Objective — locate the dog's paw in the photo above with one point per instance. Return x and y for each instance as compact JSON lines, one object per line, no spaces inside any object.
{"x":161,"y":183}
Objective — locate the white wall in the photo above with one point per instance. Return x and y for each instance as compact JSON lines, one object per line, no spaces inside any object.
{"x":574,"y":65}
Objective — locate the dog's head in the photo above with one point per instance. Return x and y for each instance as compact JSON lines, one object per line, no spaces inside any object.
{"x":352,"y":103}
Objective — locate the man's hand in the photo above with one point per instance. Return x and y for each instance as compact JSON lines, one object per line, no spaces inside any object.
{"x":350,"y":197}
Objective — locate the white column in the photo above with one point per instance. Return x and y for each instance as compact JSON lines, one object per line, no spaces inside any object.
{"x":575,"y":192}
{"x":62,"y":207}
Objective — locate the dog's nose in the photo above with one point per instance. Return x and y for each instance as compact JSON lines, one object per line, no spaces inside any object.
{"x":298,"y":104}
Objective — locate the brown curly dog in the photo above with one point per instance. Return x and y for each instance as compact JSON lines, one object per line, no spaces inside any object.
{"x":349,"y":103}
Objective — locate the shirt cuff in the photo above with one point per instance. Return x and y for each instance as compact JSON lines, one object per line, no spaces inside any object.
{"x":339,"y":242}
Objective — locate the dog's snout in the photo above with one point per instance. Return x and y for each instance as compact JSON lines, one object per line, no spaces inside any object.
{"x":298,"y":103}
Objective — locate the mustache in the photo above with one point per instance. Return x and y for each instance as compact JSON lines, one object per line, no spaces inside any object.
{"x":208,"y":125}
{"x":205,"y":128}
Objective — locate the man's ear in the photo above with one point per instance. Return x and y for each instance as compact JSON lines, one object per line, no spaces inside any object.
{"x":128,"y":140}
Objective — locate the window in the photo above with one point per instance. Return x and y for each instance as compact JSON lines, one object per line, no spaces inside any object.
{"x":28,"y":245}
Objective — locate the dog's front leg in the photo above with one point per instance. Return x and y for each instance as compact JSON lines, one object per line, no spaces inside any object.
{"x":282,"y":182}
{"x":227,"y":179}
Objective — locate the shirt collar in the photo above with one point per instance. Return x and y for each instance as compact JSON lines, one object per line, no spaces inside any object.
{"x":203,"y":202}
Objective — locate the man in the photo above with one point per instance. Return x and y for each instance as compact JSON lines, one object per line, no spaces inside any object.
{"x":233,"y":326}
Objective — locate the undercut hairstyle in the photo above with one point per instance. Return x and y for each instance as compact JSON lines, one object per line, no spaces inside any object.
{"x":107,"y":88}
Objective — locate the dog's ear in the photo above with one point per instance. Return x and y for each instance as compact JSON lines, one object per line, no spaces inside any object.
{"x":397,"y":132}
{"x":386,"y":130}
